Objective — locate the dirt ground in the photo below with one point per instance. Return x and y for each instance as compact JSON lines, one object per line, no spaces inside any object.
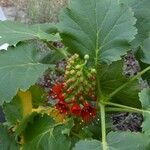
{"x":6,"y":3}
{"x":32,"y":11}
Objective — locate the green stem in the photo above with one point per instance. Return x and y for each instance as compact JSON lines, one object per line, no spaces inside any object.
{"x":50,"y":45}
{"x":75,"y":134}
{"x":131,"y":80}
{"x":126,"y":107}
{"x":116,"y":109}
{"x":103,"y":126}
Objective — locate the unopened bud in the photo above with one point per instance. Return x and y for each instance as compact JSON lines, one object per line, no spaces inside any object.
{"x":81,"y":79}
{"x":67,"y":67}
{"x":93,"y":70}
{"x":67,"y":73}
{"x":78,"y":67}
{"x":72,"y":72}
{"x":71,"y":62}
{"x":79,"y":74}
{"x":76,"y":55}
{"x":86,"y":57}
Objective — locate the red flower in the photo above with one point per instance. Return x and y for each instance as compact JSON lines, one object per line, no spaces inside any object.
{"x":76,"y":110}
{"x":63,"y":107}
{"x":57,"y":88}
{"x":88,"y":112}
{"x":57,"y":91}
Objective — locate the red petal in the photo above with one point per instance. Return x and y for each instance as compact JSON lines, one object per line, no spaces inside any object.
{"x":76,"y":110}
{"x":56,"y":91}
{"x":62,"y":107}
{"x":57,"y":88}
{"x":60,"y":97}
{"x":88,"y":113}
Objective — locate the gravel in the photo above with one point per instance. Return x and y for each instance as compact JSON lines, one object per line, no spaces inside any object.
{"x":127,"y":121}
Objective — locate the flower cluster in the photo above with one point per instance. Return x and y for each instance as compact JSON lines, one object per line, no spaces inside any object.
{"x":77,"y":91}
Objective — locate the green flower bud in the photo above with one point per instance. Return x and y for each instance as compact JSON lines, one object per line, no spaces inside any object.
{"x":72,"y":72}
{"x":81,"y":79}
{"x":89,"y":75}
{"x":85,"y":83}
{"x":93,"y":70}
{"x":68,"y":67}
{"x":67,"y":73}
{"x":86,"y":57}
{"x":79,"y":73}
{"x":76,"y":56}
{"x":78,"y":67}
{"x":72,"y":80}
{"x":71,"y":62}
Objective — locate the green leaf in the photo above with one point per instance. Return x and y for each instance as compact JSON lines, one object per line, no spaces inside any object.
{"x":19,"y":69}
{"x":141,"y":10}
{"x":146,"y":51}
{"x":13,"y":110}
{"x":38,"y":95}
{"x":128,"y":141}
{"x":143,"y":55}
{"x":14,"y":32}
{"x":100,"y":28}
{"x":112,"y":78}
{"x":41,"y":132}
{"x":53,"y":56}
{"x":22,"y":104}
{"x":7,"y":140}
{"x":145,"y":100}
{"x":140,"y":56}
{"x":146,"y":76}
{"x":88,"y":145}
{"x":23,"y":124}
{"x":117,"y":141}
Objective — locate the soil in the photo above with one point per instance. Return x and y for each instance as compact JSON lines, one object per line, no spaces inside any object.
{"x":6,"y":3}
{"x":14,"y":10}
{"x":32,"y":11}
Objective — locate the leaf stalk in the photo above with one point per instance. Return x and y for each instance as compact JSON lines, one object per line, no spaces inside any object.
{"x":103,"y":126}
{"x":127,"y":83}
{"x":126,"y":108}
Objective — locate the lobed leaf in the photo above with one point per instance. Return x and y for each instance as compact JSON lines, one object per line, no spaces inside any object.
{"x":14,"y":32}
{"x":146,"y":76}
{"x":146,"y":51}
{"x":128,"y":141}
{"x":7,"y":140}
{"x":53,"y":56}
{"x":23,"y":103}
{"x":18,"y":108}
{"x":41,"y":132}
{"x":19,"y":69}
{"x":143,"y":56}
{"x":112,"y":78}
{"x":38,"y":96}
{"x":145,"y":100}
{"x":117,"y":141}
{"x":141,"y":10}
{"x":100,"y":28}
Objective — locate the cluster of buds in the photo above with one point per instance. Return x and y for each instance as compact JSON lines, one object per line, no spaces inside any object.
{"x":77,"y":91}
{"x":80,"y":81}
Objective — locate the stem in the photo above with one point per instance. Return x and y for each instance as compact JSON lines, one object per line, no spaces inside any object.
{"x":131,"y":80}
{"x":55,"y":48}
{"x":115,"y":109}
{"x":103,"y":126}
{"x":77,"y":135}
{"x":126,"y":107}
